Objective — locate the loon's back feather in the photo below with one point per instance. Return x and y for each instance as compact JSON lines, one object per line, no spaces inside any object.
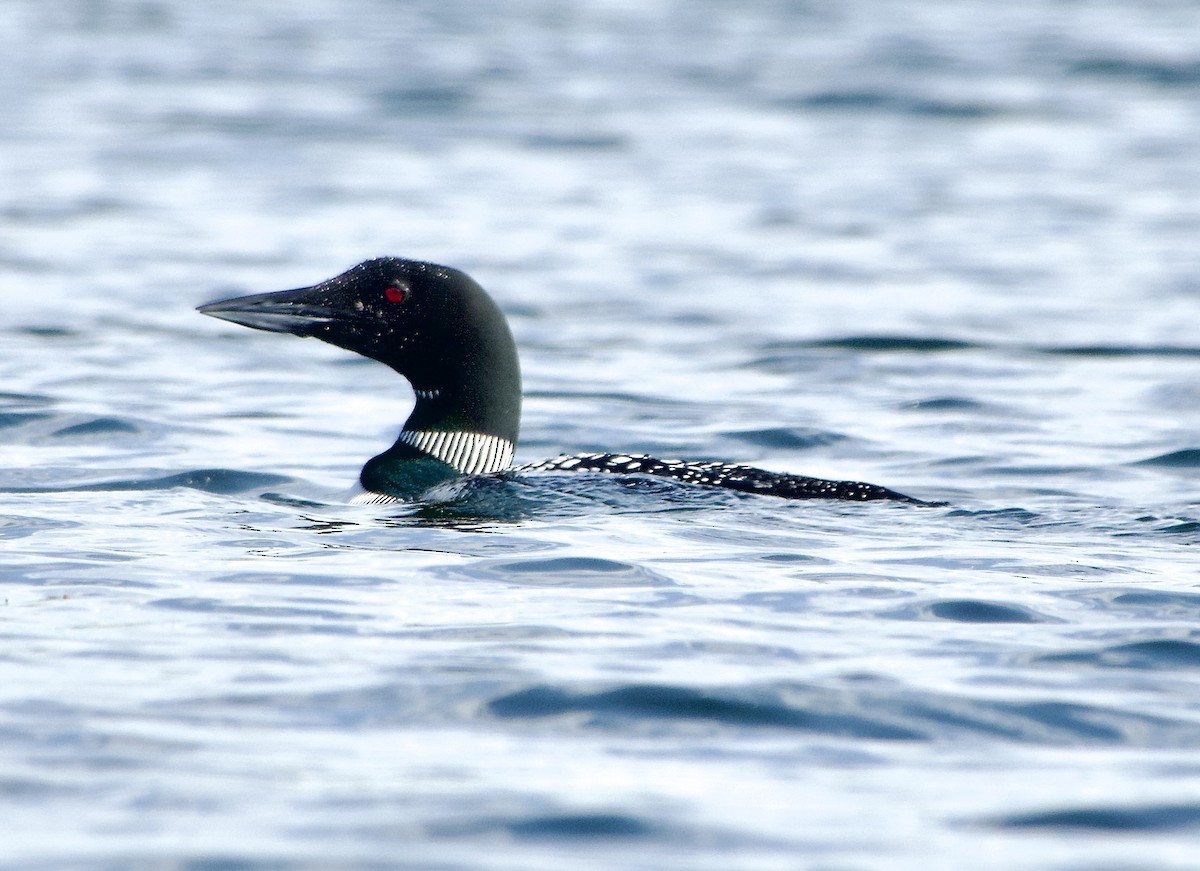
{"x":711,"y":473}
{"x":440,"y":330}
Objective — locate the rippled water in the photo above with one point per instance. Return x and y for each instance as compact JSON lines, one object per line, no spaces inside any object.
{"x":946,"y":248}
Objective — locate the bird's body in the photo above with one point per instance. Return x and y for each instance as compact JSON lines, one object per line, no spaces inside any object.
{"x":440,"y":330}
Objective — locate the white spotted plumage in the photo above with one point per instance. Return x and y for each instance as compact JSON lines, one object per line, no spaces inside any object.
{"x":746,"y":479}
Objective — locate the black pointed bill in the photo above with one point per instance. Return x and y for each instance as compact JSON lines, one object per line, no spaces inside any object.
{"x":288,"y":311}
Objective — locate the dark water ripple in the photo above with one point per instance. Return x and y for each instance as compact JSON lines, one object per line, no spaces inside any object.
{"x":219,"y":607}
{"x":1156,"y":654}
{"x":909,"y":105}
{"x":1133,"y":818}
{"x":12,"y":419}
{"x":904,"y":344}
{"x":1186,"y":458}
{"x":100,"y":426}
{"x":798,"y":356}
{"x":1153,"y":71}
{"x":19,"y":526}
{"x":668,"y":713}
{"x":1142,"y":604}
{"x":649,"y":704}
{"x":856,"y":714}
{"x":1111,"y":351}
{"x":223,"y":481}
{"x":947,"y":404}
{"x":23,"y":399}
{"x":970,"y":611}
{"x":786,"y":438}
{"x":555,"y":827}
{"x":574,"y":571}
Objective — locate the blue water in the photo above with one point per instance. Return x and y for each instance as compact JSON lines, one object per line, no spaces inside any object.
{"x":946,"y":248}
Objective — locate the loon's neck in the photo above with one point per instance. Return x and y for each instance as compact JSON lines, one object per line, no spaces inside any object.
{"x":466,"y":418}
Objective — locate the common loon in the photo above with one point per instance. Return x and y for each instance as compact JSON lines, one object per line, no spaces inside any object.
{"x":440,"y":330}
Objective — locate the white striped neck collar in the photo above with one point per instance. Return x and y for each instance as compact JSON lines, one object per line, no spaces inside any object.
{"x":471,"y":453}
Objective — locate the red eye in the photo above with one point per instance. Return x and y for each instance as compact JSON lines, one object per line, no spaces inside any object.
{"x":395,"y":293}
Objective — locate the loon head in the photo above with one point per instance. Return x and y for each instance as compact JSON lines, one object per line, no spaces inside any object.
{"x":432,"y":324}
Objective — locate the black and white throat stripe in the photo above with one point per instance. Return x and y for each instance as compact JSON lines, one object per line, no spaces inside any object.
{"x":471,"y":453}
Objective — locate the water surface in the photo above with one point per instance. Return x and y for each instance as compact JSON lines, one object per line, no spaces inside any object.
{"x":946,"y":249}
